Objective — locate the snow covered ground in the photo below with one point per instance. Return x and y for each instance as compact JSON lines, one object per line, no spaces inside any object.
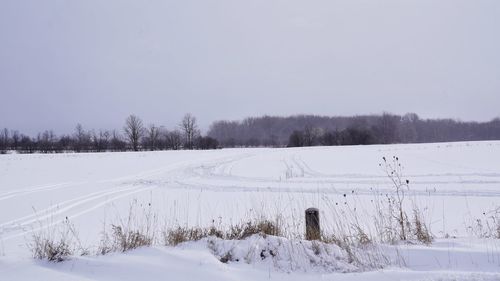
{"x":456,"y":184}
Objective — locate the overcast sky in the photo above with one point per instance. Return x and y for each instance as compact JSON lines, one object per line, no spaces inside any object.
{"x":95,"y":62}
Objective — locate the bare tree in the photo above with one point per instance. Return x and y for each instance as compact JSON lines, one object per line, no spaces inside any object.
{"x":189,"y":129}
{"x":134,"y":131}
{"x":82,"y":139}
{"x":4,"y":140}
{"x":16,"y":138}
{"x":46,"y":141}
{"x":387,"y":128}
{"x":173,"y":140}
{"x":311,"y":135}
{"x":153,"y":137}
{"x":65,"y":143}
{"x":100,"y":142}
{"x":27,"y":144}
{"x":116,"y":143}
{"x":408,"y":129}
{"x":296,"y":139}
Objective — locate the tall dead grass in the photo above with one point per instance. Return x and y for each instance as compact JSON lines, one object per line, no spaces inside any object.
{"x":56,"y":244}
{"x":137,"y":229}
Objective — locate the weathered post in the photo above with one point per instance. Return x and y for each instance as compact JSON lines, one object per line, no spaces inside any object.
{"x":313,"y":231}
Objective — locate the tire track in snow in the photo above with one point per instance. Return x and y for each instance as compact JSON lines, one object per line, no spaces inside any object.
{"x":26,"y":226}
{"x":26,"y":191}
{"x":73,"y":207}
{"x":60,"y":207}
{"x":217,"y":176}
{"x":231,"y":187}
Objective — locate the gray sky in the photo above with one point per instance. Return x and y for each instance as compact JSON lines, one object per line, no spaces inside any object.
{"x":94,"y":61}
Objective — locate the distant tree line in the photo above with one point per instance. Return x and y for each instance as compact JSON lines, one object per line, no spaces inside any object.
{"x":134,"y":137}
{"x":310,"y":130}
{"x":266,"y":131}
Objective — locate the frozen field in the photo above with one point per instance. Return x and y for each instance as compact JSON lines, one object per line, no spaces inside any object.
{"x":455,"y":184}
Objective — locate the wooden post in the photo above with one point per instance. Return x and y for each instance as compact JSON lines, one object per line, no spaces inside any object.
{"x":313,"y":231}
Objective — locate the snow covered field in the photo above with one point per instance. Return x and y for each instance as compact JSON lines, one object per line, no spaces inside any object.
{"x":457,"y":185}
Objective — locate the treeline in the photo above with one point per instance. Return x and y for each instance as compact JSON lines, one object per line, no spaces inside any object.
{"x":267,"y":131}
{"x":133,"y":137}
{"x":310,"y":130}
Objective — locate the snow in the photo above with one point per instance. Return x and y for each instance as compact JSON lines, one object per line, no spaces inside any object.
{"x":456,"y":184}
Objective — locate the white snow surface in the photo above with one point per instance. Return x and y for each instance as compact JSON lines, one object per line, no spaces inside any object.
{"x":456,"y":184}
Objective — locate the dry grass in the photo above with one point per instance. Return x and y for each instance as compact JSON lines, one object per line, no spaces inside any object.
{"x":127,"y":239}
{"x":177,"y":235}
{"x":263,"y":226}
{"x":393,"y":220}
{"x":138,"y":229}
{"x":487,"y":225}
{"x":44,"y":248}
{"x":420,"y":230}
{"x":55,"y":244}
